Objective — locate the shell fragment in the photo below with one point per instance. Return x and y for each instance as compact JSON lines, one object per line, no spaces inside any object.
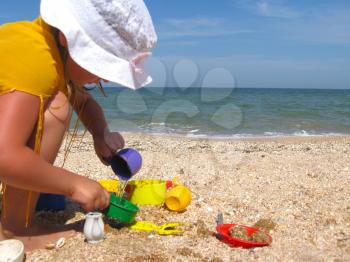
{"x":50,"y":246}
{"x":60,"y":243}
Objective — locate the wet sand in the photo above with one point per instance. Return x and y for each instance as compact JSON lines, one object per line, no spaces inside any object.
{"x":302,"y":184}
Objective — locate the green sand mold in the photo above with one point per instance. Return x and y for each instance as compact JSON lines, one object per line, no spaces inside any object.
{"x":121,"y":209}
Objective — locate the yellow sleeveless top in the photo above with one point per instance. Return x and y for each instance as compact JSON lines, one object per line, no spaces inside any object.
{"x":30,"y":62}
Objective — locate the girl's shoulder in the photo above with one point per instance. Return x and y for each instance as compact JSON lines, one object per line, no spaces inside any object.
{"x":30,"y":60}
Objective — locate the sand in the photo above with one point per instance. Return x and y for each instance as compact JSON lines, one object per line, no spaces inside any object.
{"x":301,"y":184}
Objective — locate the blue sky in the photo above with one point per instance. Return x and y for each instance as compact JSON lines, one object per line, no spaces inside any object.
{"x":261,"y":43}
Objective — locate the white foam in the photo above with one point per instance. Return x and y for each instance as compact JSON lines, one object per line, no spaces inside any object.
{"x":301,"y":133}
{"x":195,"y":133}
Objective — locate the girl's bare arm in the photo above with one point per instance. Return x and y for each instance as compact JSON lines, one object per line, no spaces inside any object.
{"x":22,"y":168}
{"x":106,"y":143}
{"x":90,"y":113}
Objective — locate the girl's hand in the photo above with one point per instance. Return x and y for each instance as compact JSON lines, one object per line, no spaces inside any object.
{"x":89,"y":194}
{"x":106,"y":146}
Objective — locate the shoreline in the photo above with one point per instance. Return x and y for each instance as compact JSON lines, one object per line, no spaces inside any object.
{"x":223,"y":138}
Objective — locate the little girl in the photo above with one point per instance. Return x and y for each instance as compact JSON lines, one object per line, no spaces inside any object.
{"x":44,"y":66}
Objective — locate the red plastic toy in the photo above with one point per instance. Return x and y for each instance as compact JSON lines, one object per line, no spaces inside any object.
{"x":169,"y":184}
{"x":224,"y":236}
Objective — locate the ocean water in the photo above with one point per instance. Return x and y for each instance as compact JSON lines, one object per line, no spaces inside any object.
{"x":224,"y":112}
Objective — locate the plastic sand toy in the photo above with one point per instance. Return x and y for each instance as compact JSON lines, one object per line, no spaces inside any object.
{"x":140,"y":192}
{"x":121,"y":210}
{"x":242,"y":236}
{"x":178,"y":198}
{"x":51,"y":202}
{"x":147,"y":192}
{"x":126,"y":163}
{"x":164,"y":229}
{"x":11,"y":250}
{"x":94,"y":227}
{"x":111,"y":185}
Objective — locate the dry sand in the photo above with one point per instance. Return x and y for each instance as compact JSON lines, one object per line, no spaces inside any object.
{"x":301,"y":184}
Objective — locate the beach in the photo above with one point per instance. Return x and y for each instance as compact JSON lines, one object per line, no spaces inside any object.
{"x":300,"y":184}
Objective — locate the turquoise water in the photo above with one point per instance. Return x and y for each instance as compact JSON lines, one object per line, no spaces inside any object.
{"x":223,"y":112}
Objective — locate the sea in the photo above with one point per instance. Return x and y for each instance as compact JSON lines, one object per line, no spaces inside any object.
{"x":227,"y":112}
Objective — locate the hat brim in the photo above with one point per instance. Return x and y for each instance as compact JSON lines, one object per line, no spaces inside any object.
{"x":85,"y":52}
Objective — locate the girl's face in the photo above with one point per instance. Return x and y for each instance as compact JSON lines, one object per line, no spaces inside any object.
{"x":78,"y":75}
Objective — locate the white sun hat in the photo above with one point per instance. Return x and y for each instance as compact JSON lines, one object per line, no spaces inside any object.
{"x":108,"y":38}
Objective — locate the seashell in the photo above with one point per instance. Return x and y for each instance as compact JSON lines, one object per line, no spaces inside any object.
{"x":50,"y":246}
{"x":60,"y":243}
{"x":210,"y":209}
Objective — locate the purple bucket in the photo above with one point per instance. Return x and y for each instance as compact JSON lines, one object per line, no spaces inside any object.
{"x":126,"y":163}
